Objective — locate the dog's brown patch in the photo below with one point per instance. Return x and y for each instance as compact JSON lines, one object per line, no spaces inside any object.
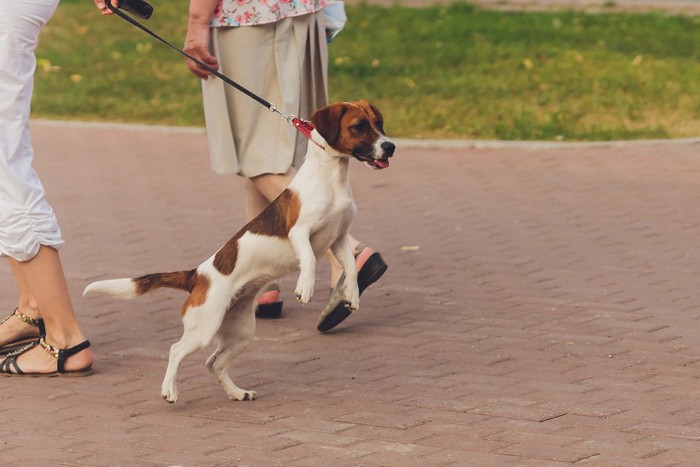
{"x":275,"y":221}
{"x":182,"y":280}
{"x":199,"y":293}
{"x":279,"y":217}
{"x":225,"y":258}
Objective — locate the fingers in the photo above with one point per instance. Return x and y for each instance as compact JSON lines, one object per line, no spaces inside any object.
{"x":102,"y":6}
{"x":204,"y":57}
{"x":207,"y":59}
{"x":197,"y":45}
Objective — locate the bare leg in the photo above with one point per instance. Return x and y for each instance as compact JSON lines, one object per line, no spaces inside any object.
{"x":14,"y":328}
{"x":263,"y":189}
{"x":43,"y":287}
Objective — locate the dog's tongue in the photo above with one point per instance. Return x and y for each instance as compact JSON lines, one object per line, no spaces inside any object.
{"x":381,"y":163}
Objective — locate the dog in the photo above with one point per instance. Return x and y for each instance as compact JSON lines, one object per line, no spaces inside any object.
{"x":312,"y":215}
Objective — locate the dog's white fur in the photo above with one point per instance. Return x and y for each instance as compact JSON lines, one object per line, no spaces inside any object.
{"x":318,"y":208}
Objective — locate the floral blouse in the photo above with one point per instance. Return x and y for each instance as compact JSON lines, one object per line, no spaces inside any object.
{"x":252,"y":12}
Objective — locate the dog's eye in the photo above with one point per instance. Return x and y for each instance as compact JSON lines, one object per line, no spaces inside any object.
{"x":361,"y":127}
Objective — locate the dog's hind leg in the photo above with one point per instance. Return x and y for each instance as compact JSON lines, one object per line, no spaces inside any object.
{"x":201,"y":325}
{"x":236,"y":332}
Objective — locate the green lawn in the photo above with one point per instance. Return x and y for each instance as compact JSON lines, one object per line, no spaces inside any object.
{"x":439,"y":72}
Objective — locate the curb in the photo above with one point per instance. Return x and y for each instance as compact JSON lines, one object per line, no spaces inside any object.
{"x":402,"y":142}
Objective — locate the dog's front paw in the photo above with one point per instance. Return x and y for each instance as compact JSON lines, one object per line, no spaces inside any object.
{"x":169,"y":396}
{"x":169,"y":390}
{"x":305,"y":290}
{"x":352,"y":305}
{"x":242,"y":395}
{"x":351,"y":297}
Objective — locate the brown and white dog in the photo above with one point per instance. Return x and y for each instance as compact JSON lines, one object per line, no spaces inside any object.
{"x":312,"y":215}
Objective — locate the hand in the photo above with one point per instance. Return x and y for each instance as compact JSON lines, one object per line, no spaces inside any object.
{"x":102,"y":6}
{"x":197,"y":45}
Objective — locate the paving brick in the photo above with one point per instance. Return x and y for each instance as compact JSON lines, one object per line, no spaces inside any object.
{"x":568,"y":454}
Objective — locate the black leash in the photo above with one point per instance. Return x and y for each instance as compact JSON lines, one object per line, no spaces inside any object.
{"x":144,"y":10}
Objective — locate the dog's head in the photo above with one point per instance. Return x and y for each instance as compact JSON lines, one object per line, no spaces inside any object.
{"x":355,"y":129}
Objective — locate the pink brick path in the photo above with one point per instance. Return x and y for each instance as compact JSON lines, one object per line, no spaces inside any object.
{"x":541,"y":308}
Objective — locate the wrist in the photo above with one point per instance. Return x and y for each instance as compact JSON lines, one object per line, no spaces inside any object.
{"x":201,"y":11}
{"x":196,"y":23}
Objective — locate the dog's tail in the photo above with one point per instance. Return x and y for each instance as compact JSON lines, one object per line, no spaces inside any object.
{"x":134,"y":287}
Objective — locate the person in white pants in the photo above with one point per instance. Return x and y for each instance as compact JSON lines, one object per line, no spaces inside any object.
{"x":42,"y":336}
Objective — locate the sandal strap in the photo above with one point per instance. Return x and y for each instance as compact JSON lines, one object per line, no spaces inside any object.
{"x":9,"y":364}
{"x":61,"y":355}
{"x":24,"y":348}
{"x":358,"y":249}
{"x":36,"y":322}
{"x":50,"y":349}
{"x":27,"y":319}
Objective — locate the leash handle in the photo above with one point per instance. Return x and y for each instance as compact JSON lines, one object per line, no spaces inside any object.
{"x":137,"y":8}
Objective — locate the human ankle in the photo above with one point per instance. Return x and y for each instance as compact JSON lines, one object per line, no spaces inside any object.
{"x":64,"y":340}
{"x":29,"y":308}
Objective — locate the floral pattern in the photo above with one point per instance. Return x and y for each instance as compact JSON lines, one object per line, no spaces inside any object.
{"x":235,"y":13}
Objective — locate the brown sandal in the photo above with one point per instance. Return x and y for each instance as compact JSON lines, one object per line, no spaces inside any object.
{"x":9,"y":367}
{"x":23,"y":340}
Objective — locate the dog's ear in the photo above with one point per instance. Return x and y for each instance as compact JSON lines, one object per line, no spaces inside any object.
{"x":380,"y":118}
{"x":327,"y":121}
{"x":373,"y":112}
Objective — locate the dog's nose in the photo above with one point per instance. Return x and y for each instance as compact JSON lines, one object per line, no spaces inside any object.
{"x":388,"y":147}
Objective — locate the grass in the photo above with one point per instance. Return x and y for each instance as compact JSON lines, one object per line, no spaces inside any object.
{"x":440,"y":72}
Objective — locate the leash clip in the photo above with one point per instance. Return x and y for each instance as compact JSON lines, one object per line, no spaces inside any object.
{"x":304,"y":127}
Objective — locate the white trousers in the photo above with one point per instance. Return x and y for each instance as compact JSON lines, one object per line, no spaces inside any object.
{"x":26,"y":219}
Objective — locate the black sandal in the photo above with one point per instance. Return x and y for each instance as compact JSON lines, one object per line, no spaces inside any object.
{"x":24,"y":340}
{"x":336,"y":311}
{"x":270,"y":310}
{"x":9,"y":367}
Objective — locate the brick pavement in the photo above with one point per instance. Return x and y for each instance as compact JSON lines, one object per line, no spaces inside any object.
{"x":541,"y":308}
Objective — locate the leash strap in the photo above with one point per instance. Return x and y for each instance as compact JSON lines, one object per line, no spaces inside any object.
{"x":304,"y":127}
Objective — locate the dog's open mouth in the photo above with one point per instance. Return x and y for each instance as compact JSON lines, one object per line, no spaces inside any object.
{"x":376,"y":164}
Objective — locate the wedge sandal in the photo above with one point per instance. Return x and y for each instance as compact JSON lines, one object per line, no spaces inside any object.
{"x":272,"y":307}
{"x":336,"y":311}
{"x":22,"y":341}
{"x":9,"y":367}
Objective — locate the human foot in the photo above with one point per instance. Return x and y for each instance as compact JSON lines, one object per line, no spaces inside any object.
{"x":43,"y":359}
{"x":18,"y":329}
